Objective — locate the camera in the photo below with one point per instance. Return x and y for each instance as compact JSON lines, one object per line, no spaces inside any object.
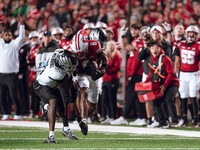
{"x":147,"y":37}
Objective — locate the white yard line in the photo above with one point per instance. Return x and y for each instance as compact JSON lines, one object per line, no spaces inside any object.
{"x":102,"y":138}
{"x":103,"y":128}
{"x":110,"y":149}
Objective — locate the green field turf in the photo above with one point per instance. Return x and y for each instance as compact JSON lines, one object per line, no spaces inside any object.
{"x":32,"y":138}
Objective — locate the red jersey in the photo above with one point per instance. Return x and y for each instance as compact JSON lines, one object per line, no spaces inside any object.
{"x":65,"y":44}
{"x":189,"y":56}
{"x":31,"y":58}
{"x":32,"y":54}
{"x":94,"y":48}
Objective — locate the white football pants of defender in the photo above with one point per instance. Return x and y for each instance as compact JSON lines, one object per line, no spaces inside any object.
{"x":188,"y":84}
{"x":86,"y":81}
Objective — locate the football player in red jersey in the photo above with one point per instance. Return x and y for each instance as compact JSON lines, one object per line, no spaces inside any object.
{"x":187,"y":63}
{"x":87,"y":51}
{"x":69,"y":33}
{"x":178,"y":36}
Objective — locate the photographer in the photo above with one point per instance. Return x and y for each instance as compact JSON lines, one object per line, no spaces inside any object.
{"x":156,"y":36}
{"x":168,"y":83}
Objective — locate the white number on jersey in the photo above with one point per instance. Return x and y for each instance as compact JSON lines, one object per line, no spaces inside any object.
{"x":187,"y":57}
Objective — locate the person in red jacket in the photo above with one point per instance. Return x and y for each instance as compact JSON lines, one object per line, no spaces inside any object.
{"x":168,"y":82}
{"x":111,"y":81}
{"x":134,"y":72}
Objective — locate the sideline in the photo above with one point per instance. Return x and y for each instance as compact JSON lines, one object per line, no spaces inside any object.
{"x":104,"y":128}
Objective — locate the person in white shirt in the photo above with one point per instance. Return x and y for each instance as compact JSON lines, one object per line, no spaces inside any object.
{"x":9,"y":67}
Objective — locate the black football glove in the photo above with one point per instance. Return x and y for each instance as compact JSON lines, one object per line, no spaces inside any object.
{"x":98,"y":74}
{"x":89,"y":70}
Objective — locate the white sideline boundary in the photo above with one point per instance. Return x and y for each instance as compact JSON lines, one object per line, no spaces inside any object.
{"x":104,"y":128}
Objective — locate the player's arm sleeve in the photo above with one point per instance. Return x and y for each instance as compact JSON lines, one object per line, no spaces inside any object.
{"x":18,"y":41}
{"x":104,"y":59}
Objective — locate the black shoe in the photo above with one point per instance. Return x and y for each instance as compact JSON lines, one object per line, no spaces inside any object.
{"x":84,"y":126}
{"x":163,"y":125}
{"x":51,"y":139}
{"x":69,"y":134}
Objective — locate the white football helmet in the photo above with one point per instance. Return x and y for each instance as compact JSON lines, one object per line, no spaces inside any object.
{"x":57,"y":30}
{"x":192,"y":28}
{"x":100,"y":24}
{"x":88,"y":26}
{"x":79,"y":44}
{"x":33,"y":34}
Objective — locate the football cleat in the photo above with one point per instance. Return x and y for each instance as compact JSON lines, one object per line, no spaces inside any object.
{"x":84,"y":126}
{"x":69,"y":134}
{"x":51,"y":139}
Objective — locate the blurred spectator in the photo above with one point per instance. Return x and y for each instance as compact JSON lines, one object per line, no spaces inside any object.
{"x":45,"y":51}
{"x":35,"y":45}
{"x":110,"y":34}
{"x":61,"y":15}
{"x":111,"y":24}
{"x":9,"y":69}
{"x":57,"y":34}
{"x":111,"y":81}
{"x":134,"y":74}
{"x":47,"y":21}
{"x":23,"y":77}
{"x":22,"y":9}
{"x":33,"y":16}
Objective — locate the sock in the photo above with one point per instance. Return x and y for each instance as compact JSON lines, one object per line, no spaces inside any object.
{"x":66,"y":128}
{"x":45,"y":106}
{"x":51,"y":133}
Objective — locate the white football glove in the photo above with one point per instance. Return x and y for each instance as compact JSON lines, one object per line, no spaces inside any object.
{"x":167,"y":26}
{"x":123,"y":30}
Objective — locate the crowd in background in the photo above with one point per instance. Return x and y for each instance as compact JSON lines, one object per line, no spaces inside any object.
{"x":43,"y":15}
